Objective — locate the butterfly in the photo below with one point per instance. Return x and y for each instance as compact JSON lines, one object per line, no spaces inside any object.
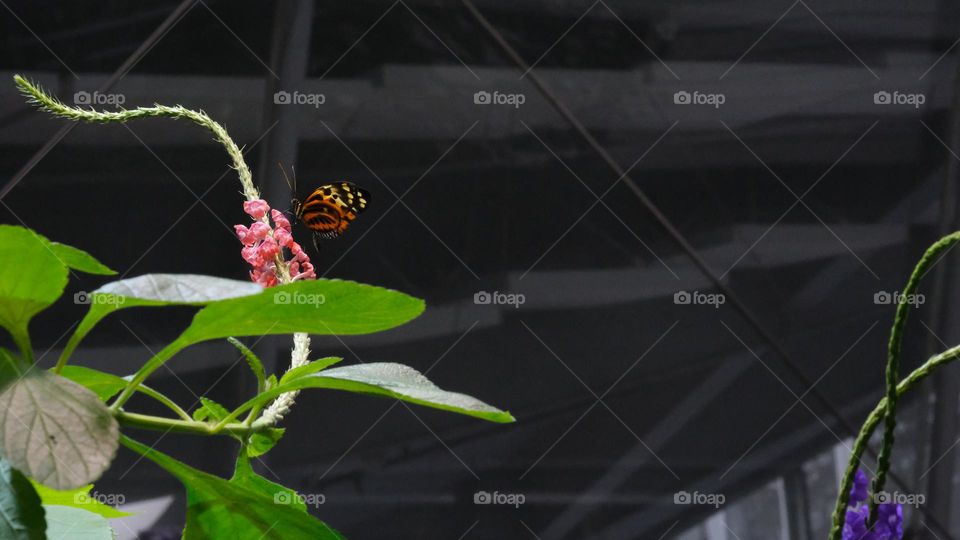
{"x":330,"y":209}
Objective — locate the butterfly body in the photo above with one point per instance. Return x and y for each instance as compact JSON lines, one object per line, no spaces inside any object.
{"x":330,"y":209}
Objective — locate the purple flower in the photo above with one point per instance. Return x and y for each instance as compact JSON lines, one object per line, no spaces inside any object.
{"x":889,"y":525}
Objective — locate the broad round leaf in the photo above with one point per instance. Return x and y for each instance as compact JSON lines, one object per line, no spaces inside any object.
{"x":67,"y":522}
{"x":56,"y":431}
{"x":192,"y":289}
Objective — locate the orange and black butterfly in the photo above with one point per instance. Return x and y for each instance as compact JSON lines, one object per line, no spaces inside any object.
{"x":330,"y":209}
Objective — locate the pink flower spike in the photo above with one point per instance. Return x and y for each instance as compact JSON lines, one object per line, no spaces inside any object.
{"x":280,"y":220}
{"x":256,"y":208}
{"x":258,"y":231}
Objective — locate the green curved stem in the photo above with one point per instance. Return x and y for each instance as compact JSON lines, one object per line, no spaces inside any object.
{"x":895,"y":346}
{"x":170,"y":404}
{"x":860,"y":444}
{"x":195,"y":427}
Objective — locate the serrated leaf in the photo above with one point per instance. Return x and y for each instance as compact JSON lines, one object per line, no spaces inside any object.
{"x":262,"y":442}
{"x":217,"y":508}
{"x":20,"y":509}
{"x":56,"y":431}
{"x":309,"y":368}
{"x":78,"y":498}
{"x":253,"y":361}
{"x":69,"y":523}
{"x":210,"y":409}
{"x":79,"y":259}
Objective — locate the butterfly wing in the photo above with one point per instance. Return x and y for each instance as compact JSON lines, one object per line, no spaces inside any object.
{"x":330,"y":209}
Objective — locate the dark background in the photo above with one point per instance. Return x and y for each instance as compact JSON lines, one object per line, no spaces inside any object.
{"x":800,"y":194}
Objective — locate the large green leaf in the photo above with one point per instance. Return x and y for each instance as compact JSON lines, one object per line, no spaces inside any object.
{"x":77,"y":498}
{"x":55,"y":430}
{"x":20,"y":510}
{"x":217,"y":508}
{"x":322,"y":306}
{"x":69,"y":523}
{"x":155,"y":290}
{"x":31,"y":278}
{"x":389,"y":380}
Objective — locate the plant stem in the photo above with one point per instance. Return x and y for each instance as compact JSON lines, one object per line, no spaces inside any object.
{"x":860,"y":444}
{"x":931,"y":256}
{"x":158,"y":423}
{"x":146,"y":390}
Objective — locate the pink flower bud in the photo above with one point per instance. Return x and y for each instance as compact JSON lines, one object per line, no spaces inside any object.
{"x":256,"y":208}
{"x":282,"y":236}
{"x":258,"y":231}
{"x":269,"y":249}
{"x":280,"y":220}
{"x":242,"y":233}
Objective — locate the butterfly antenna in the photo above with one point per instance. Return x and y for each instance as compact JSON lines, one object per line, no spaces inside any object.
{"x":316,"y":243}
{"x":293,"y":187}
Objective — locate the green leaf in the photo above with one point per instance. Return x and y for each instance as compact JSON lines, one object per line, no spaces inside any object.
{"x":309,"y":368}
{"x":244,"y":475}
{"x":104,"y":385}
{"x":65,"y":522}
{"x":210,"y":409}
{"x":217,"y":508}
{"x":262,"y":442}
{"x":255,"y":364}
{"x":55,"y":430}
{"x":77,"y":498}
{"x":31,"y":278}
{"x":322,"y":306}
{"x":389,"y":380}
{"x":154,"y":290}
{"x":79,"y":259}
{"x":19,"y":506}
